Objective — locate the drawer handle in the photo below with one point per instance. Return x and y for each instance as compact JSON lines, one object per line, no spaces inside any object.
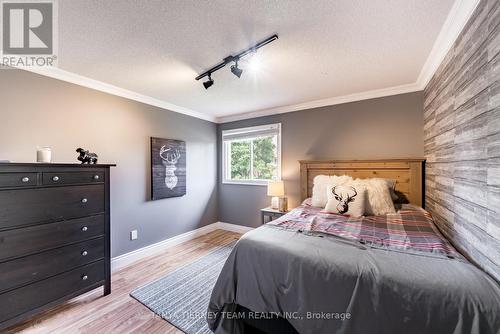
{"x":85,"y":228}
{"x":55,"y":178}
{"x":84,"y":253}
{"x":25,"y":179}
{"x":85,"y":277}
{"x":84,"y":200}
{"x":96,"y":177}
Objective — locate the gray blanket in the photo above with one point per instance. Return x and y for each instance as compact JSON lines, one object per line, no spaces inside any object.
{"x":323,"y":284}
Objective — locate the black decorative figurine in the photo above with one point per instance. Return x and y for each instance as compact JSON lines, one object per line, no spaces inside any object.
{"x":86,"y":157}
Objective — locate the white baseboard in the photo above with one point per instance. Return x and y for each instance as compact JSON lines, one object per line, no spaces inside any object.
{"x":125,"y":259}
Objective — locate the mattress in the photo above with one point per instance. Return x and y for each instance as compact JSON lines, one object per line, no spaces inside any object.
{"x":328,"y":273}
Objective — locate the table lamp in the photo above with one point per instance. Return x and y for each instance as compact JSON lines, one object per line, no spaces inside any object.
{"x":276,"y":189}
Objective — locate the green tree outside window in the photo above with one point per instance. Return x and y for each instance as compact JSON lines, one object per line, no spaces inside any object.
{"x":264,"y":158}
{"x":240,"y":160}
{"x":254,"y":158}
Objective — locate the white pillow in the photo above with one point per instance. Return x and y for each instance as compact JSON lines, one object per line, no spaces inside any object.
{"x":379,"y":201}
{"x":320,"y":183}
{"x":346,"y":199}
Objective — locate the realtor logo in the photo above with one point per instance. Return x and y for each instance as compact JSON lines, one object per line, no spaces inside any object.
{"x":28,"y":32}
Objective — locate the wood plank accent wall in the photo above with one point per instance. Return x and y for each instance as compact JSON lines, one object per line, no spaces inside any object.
{"x":462,"y":140}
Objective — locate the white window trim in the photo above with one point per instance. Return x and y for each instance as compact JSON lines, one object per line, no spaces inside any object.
{"x":225,"y":161}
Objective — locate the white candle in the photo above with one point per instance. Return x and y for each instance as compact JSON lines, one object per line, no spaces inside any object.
{"x":44,"y":155}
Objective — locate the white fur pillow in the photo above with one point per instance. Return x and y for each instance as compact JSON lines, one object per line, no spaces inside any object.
{"x":320,"y":183}
{"x":379,"y":201}
{"x":346,"y":199}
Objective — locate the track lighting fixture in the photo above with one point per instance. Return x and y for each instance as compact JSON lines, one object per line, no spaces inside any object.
{"x":234,"y":68}
{"x":207,"y":84}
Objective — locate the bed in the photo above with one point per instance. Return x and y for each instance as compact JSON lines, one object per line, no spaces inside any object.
{"x":314,"y":272}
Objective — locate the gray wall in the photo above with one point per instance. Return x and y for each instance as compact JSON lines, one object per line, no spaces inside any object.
{"x":388,"y":127}
{"x":462,"y":140}
{"x":36,"y":110}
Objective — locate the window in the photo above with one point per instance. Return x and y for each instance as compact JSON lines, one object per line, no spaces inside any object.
{"x":251,"y":155}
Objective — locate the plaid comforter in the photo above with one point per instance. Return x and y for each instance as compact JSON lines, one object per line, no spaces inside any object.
{"x":410,"y":230}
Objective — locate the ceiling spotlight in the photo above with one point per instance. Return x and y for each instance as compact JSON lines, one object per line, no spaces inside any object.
{"x":229,"y":59}
{"x":207,"y":84}
{"x":236,"y":70}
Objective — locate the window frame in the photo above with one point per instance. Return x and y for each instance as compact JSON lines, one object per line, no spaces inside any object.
{"x":246,"y":132}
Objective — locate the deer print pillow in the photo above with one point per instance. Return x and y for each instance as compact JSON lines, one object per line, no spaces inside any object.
{"x":347,"y":199}
{"x":321,"y":182}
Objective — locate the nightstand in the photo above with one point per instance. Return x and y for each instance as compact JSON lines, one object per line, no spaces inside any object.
{"x":271,"y":214}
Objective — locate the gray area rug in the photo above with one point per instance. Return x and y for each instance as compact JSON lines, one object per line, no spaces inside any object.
{"x":181,"y":297}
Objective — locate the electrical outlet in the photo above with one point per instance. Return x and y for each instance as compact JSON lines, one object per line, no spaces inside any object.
{"x":133,"y":235}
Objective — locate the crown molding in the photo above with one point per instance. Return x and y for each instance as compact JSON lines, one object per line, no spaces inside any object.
{"x":372,"y":94}
{"x":457,"y":18}
{"x":57,"y":73}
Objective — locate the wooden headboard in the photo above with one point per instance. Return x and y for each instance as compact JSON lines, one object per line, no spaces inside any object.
{"x":408,"y":173}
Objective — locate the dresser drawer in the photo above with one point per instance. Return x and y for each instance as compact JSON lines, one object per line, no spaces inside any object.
{"x":34,"y":239}
{"x":10,"y":180}
{"x":53,"y":178}
{"x":36,"y":267}
{"x":31,"y":206}
{"x":33,"y":296}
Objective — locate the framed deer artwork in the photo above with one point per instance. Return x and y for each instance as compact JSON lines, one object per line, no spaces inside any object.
{"x":168,"y":168}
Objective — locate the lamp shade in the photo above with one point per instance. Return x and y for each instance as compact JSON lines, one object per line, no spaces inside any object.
{"x":275,"y":188}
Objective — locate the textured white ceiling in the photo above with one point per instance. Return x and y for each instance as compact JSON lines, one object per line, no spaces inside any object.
{"x":326,"y":48}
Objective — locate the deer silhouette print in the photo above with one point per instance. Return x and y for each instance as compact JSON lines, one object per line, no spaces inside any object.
{"x":170,"y":158}
{"x":345,"y":195}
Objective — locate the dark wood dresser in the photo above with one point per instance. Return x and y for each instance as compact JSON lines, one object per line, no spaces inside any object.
{"x":54,"y":235}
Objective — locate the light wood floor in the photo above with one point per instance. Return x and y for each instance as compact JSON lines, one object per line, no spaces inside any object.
{"x":118,"y":312}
